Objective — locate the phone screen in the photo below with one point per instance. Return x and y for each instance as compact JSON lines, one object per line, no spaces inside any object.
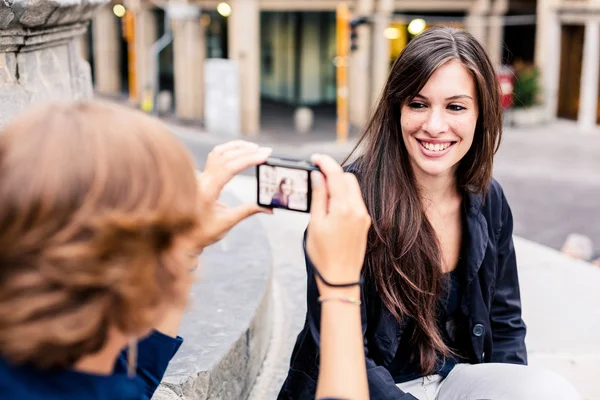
{"x":282,"y":187}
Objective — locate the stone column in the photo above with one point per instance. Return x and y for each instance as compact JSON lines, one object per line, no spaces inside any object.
{"x":244,"y":49}
{"x":107,"y":51}
{"x":189,"y":53}
{"x":495,"y":38}
{"x":146,"y":33}
{"x":40,"y":53}
{"x":588,"y":105}
{"x":496,"y":31}
{"x":359,"y":88}
{"x":381,"y":48}
{"x":475,"y":22}
{"x":547,"y":53}
{"x":84,"y":47}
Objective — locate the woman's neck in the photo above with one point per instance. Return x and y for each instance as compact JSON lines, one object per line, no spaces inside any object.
{"x":437,"y":189}
{"x":103,"y":362}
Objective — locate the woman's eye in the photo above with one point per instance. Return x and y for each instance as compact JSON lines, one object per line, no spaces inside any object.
{"x":416,"y":105}
{"x":456,"y":107}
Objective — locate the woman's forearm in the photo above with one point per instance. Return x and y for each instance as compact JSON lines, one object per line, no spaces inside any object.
{"x":342,"y":372}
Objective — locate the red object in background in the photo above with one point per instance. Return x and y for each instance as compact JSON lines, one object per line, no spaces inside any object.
{"x":506,"y":78}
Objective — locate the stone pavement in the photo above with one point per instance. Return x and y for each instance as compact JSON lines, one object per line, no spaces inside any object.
{"x":559,"y":295}
{"x":551,"y":176}
{"x":560,"y":307}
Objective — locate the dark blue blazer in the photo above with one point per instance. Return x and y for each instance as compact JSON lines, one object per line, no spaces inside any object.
{"x":491,"y":301}
{"x":28,"y":383}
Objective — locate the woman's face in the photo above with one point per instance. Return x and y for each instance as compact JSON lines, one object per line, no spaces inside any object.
{"x":287,"y":187}
{"x":438,"y":125}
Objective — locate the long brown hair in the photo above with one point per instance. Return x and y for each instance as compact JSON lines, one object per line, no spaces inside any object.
{"x":404,"y":257}
{"x":92,"y":198}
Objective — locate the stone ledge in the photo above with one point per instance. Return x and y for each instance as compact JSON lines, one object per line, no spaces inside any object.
{"x":25,"y":40}
{"x":227,"y":327}
{"x":38,"y":13}
{"x":29,"y":25}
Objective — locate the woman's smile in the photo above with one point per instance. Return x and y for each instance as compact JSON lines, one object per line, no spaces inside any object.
{"x":435,"y":149}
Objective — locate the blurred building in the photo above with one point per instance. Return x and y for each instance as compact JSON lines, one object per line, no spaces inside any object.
{"x":285,"y":49}
{"x":568,"y":53}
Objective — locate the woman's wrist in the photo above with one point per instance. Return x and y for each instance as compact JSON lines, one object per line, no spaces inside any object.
{"x":352,"y":292}
{"x":340,"y":282}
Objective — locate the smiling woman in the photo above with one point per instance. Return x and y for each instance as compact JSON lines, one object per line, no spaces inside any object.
{"x":441,"y":305}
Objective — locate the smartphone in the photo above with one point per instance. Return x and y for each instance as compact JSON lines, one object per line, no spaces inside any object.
{"x":284,"y":183}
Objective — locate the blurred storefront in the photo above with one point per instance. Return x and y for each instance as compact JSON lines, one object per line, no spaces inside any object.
{"x":569,"y":56}
{"x":285,"y":49}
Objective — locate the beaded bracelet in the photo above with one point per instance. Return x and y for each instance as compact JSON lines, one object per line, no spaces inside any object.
{"x":341,"y":299}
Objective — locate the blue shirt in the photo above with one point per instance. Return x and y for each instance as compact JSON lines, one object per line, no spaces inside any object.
{"x":405,"y":369}
{"x":154,"y":354}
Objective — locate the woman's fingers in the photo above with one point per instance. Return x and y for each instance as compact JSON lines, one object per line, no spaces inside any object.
{"x":319,"y":196}
{"x":238,"y":161}
{"x":235,"y":144}
{"x":333,"y":173}
{"x":227,"y":164}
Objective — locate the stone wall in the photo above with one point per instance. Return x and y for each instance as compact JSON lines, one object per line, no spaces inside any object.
{"x":40,"y":57}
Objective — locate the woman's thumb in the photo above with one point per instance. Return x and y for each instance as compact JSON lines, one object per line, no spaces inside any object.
{"x":319,"y":200}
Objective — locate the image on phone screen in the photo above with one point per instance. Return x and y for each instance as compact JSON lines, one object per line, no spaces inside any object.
{"x":281,"y":187}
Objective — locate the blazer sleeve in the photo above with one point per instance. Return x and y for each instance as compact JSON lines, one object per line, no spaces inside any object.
{"x":381,"y":383}
{"x":154,"y":354}
{"x":508,"y":328}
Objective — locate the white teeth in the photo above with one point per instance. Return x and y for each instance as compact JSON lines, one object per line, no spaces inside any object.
{"x":435,"y":147}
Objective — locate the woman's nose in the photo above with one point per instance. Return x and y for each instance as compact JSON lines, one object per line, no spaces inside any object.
{"x":435,"y":123}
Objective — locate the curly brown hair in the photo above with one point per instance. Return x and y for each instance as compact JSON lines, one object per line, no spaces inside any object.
{"x":92,"y":198}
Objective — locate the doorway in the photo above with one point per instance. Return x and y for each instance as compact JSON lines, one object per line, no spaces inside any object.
{"x":570,"y":71}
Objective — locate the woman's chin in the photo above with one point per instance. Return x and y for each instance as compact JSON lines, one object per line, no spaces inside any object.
{"x":433,"y":169}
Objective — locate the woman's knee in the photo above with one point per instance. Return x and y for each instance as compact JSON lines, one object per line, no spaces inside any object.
{"x":539,"y":383}
{"x":506,"y":382}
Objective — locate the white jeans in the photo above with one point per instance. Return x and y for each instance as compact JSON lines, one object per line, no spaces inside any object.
{"x":492,"y":382}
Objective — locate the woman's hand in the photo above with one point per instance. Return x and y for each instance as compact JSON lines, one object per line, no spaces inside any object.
{"x":223,"y":163}
{"x":336,"y":245}
{"x":337,"y":232}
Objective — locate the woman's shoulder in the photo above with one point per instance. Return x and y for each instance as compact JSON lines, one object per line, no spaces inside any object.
{"x":495,"y":191}
{"x":494,"y":206}
{"x":493,"y":197}
{"x":15,"y":383}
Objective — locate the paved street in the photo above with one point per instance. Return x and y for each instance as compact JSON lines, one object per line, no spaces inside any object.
{"x":551,"y":175}
{"x":552,"y":180}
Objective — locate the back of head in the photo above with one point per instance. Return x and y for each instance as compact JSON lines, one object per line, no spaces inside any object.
{"x":92,"y":197}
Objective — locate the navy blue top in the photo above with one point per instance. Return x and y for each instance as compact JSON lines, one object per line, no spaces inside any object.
{"x":404,"y":368}
{"x":154,"y":354}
